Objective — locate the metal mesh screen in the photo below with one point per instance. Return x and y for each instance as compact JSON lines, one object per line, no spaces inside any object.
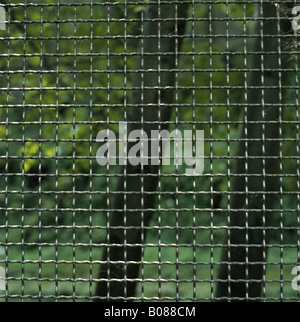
{"x":88,"y":213}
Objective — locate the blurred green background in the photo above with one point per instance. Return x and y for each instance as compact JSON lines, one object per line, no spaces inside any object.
{"x":62,"y":81}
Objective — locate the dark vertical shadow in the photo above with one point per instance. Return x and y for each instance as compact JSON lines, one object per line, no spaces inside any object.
{"x":134,"y":203}
{"x":256,"y":170}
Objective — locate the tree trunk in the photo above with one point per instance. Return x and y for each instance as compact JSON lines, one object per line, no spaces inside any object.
{"x":149,"y":110}
{"x":256,"y":173}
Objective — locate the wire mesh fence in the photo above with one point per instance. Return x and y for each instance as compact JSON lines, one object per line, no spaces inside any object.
{"x":149,"y":150}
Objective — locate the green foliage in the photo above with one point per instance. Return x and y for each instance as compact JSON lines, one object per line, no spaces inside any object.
{"x":64,"y":82}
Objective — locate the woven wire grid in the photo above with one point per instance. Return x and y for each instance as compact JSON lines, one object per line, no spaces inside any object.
{"x":72,"y":68}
